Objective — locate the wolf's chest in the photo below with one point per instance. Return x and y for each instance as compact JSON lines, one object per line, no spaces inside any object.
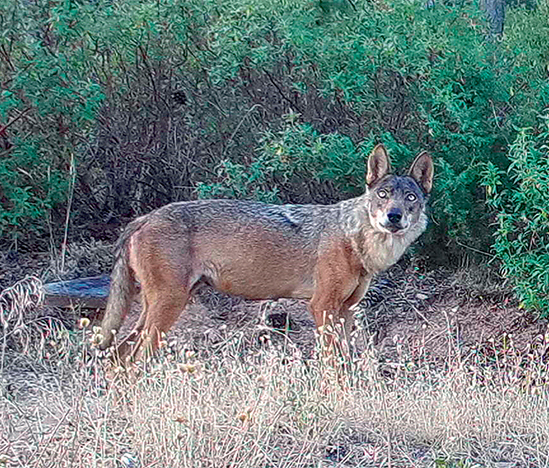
{"x":384,"y":253}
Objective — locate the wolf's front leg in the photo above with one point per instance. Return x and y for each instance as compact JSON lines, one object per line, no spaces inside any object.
{"x":333,"y":319}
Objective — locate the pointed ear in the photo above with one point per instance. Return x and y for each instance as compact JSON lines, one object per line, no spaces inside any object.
{"x":422,"y":170}
{"x":378,"y":165}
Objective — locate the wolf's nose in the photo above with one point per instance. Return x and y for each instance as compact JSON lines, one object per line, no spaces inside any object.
{"x":394,"y":216}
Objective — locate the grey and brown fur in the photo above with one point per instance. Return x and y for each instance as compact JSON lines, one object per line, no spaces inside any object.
{"x":326,"y":254}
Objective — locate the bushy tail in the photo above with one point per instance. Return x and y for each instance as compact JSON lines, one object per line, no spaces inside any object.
{"x":122,"y":288}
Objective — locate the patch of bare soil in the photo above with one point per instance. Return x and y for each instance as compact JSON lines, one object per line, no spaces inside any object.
{"x":78,"y":260}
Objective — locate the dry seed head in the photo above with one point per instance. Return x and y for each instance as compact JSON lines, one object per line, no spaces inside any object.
{"x":190,"y":368}
{"x":96,"y":338}
{"x":180,"y":420}
{"x":246,"y":415}
{"x":84,"y":322}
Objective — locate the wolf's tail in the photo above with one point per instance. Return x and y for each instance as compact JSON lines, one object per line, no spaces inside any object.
{"x":122,"y":288}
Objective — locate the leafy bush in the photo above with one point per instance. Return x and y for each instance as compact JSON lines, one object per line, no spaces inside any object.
{"x":522,"y":207}
{"x":299,"y":162}
{"x":152,"y":102}
{"x":50,"y":102}
{"x":403,"y":77}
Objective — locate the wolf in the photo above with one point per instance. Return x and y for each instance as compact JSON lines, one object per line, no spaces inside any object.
{"x":326,"y":254}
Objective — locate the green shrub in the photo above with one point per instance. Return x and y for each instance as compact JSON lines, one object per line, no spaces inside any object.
{"x":152,"y":102}
{"x":298,"y":164}
{"x":404,"y":76}
{"x":49,"y":96}
{"x":520,"y":198}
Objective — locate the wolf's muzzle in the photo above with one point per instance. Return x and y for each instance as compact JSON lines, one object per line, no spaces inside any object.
{"x":393,"y":222}
{"x":394,"y":217}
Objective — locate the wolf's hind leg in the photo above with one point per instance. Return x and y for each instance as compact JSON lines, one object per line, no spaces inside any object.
{"x":166,"y":286}
{"x":164,"y":307}
{"x":125,"y":349}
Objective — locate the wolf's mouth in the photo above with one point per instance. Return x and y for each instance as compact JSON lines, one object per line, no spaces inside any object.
{"x":395,"y":229}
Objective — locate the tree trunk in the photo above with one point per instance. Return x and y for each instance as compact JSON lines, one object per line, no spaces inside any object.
{"x":495,"y":10}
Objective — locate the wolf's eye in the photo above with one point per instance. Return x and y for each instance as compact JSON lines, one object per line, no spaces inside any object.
{"x":411,"y":197}
{"x":382,"y":194}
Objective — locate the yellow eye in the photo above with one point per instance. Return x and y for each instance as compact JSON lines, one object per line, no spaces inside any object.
{"x":411,"y":197}
{"x":382,"y":194}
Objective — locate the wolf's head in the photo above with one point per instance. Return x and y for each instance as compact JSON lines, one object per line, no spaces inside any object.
{"x":396,"y":203}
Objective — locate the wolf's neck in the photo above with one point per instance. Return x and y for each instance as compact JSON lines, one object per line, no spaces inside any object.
{"x":354,"y":216}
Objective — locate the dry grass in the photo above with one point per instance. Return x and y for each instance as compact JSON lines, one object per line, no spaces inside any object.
{"x":237,"y":406}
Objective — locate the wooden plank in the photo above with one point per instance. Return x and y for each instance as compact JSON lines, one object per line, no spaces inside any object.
{"x":91,"y":293}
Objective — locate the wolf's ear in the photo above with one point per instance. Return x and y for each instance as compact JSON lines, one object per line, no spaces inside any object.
{"x":422,"y":170}
{"x":378,"y":165}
